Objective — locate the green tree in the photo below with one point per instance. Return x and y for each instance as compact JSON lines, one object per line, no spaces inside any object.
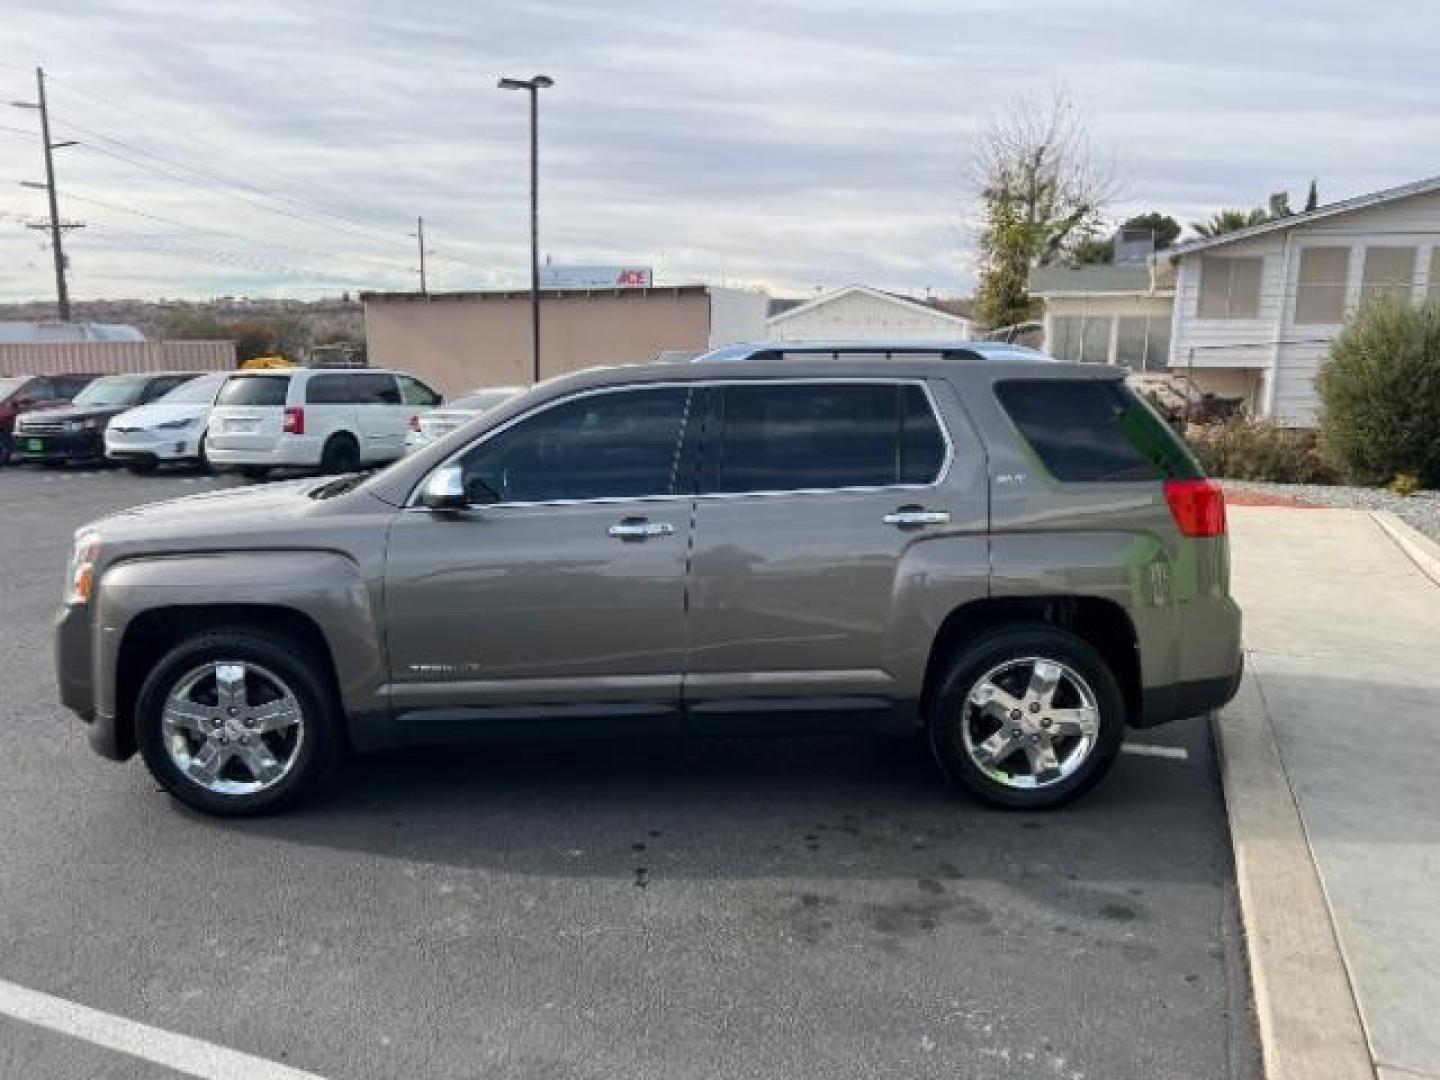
{"x":1093,"y":250}
{"x":1230,"y":220}
{"x":1380,"y":394}
{"x":1163,"y":227}
{"x":1042,"y":192}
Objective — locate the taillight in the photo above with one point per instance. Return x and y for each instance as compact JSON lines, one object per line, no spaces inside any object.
{"x":294,"y":420}
{"x":1198,"y":506}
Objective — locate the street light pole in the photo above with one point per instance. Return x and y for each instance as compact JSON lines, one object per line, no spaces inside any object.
{"x":534,"y":86}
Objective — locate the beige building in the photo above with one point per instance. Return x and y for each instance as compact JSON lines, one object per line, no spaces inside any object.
{"x":461,"y":340}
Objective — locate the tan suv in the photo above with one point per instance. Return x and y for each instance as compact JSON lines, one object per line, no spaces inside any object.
{"x":1011,"y":554}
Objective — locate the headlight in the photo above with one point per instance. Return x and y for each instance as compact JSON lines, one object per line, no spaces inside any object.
{"x":82,"y":568}
{"x":71,"y":426}
{"x":174,"y":425}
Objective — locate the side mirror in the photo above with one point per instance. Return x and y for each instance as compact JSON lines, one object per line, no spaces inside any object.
{"x":445,"y":490}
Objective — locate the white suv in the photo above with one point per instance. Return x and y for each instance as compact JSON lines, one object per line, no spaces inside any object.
{"x":336,"y":419}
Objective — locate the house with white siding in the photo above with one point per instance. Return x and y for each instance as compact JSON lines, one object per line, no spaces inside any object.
{"x":859,"y":313}
{"x":1255,"y":310}
{"x":1108,"y":313}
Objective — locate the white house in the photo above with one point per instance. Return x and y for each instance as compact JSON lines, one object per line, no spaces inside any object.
{"x":1108,"y":314}
{"x":857,"y":313}
{"x":1255,"y":310}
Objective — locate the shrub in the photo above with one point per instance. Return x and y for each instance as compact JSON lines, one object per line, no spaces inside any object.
{"x":1241,"y":449}
{"x":1380,"y":394}
{"x":1405,"y":484}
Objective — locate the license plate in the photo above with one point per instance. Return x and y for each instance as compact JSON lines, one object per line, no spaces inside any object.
{"x":35,"y":445}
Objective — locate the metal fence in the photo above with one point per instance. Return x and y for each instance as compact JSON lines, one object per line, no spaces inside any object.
{"x":114,"y":357}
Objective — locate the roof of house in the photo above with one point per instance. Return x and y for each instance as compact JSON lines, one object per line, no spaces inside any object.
{"x":951,"y":309}
{"x":1097,"y":278}
{"x":1344,"y":206}
{"x":29,"y":333}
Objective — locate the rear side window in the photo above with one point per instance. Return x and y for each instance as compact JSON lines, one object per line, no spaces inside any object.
{"x":1093,"y":430}
{"x":330,"y":390}
{"x":417,"y":393}
{"x":254,"y":390}
{"x":375,"y":389}
{"x":788,"y":437}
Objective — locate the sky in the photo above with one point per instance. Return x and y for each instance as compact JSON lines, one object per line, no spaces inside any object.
{"x":285,"y":147}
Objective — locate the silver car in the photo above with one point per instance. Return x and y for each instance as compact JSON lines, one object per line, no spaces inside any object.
{"x":436,"y":424}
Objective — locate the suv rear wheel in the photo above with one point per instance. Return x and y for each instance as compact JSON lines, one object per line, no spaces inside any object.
{"x":341,"y":455}
{"x":235,"y":722}
{"x":1027,"y":717}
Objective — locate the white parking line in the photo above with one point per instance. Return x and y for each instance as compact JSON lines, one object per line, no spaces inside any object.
{"x":1174,"y":753}
{"x":193,"y":1057}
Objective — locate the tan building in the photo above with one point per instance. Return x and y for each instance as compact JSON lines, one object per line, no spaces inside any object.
{"x":461,"y":340}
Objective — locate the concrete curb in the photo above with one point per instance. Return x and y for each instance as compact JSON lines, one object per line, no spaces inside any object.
{"x":1310,"y":1026}
{"x":1418,"y":547}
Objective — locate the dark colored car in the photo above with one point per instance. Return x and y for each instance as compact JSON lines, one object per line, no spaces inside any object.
{"x":1015,"y":557}
{"x":27,"y":393}
{"x":76,"y":432}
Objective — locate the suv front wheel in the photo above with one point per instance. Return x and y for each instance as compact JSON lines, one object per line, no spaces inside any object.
{"x":1027,"y":717}
{"x":236,"y":722}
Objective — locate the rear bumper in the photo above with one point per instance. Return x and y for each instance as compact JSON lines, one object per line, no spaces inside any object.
{"x":292,"y":450}
{"x":1178,"y":701}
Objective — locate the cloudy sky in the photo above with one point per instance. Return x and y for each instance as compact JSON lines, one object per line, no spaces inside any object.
{"x":272,"y":147}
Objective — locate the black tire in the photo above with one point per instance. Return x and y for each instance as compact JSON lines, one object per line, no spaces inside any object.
{"x":254,"y":472}
{"x":4,"y":450}
{"x":341,"y":455}
{"x":202,"y":459}
{"x":317,"y":744}
{"x":1015,"y":645}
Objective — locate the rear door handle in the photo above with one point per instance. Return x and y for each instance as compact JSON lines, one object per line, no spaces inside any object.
{"x":640,"y":529}
{"x":916,"y":515}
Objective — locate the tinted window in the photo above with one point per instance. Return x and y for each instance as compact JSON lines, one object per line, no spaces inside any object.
{"x":375,"y":389}
{"x":416,"y":393}
{"x":783,"y":437}
{"x":609,"y":445}
{"x":329,"y":390}
{"x":67,"y":386}
{"x":254,"y":390}
{"x":1094,"y":430}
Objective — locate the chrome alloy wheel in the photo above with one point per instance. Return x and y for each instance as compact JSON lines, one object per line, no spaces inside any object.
{"x":1030,"y":722}
{"x":232,"y":727}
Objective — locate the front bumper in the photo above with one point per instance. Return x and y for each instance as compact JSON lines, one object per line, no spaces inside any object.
{"x":57,"y":447}
{"x":146,"y":446}
{"x":75,"y":674}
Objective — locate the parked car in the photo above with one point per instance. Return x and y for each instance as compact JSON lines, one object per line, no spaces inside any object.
{"x":1019,"y":560}
{"x":168,"y":430}
{"x":30,"y":393}
{"x":335,"y":420}
{"x":76,"y":433}
{"x":437,"y":423}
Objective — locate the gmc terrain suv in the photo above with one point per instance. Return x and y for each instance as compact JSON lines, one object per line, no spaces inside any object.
{"x":1012,"y":555}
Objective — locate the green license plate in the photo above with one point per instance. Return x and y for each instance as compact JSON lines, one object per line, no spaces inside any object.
{"x":35,"y":445}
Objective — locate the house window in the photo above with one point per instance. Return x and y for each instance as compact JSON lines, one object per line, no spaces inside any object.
{"x":1230,"y":287}
{"x":1433,"y":290}
{"x":1320,"y":292}
{"x":1095,"y":340}
{"x":1065,"y":335}
{"x":1130,"y":342}
{"x":1389,"y":274}
{"x":1157,"y":343}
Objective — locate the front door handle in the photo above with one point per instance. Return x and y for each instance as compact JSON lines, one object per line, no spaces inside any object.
{"x":633,"y":528}
{"x":916,"y":515}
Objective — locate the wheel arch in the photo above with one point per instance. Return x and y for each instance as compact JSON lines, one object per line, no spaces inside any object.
{"x":1102,"y":623}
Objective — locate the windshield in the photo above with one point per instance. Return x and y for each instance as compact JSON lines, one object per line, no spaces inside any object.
{"x":9,"y":386}
{"x":199,"y":391}
{"x":254,"y":390}
{"x":113,"y":391}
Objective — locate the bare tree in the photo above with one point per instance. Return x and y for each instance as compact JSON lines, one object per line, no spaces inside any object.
{"x":1043,"y":188}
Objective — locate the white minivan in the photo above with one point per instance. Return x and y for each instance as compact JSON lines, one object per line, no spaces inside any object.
{"x":334,"y":419}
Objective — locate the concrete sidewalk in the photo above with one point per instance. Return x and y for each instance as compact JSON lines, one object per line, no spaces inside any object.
{"x":1342,"y":628}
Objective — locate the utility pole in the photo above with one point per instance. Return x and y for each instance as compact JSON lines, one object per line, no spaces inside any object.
{"x":420,"y":238}
{"x":55,"y":226}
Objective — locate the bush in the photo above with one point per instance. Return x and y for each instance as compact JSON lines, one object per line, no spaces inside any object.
{"x":1380,"y":394}
{"x":1405,"y":484}
{"x":1241,"y":449}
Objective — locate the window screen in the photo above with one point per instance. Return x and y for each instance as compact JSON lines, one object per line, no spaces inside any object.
{"x":1095,"y":341}
{"x":1092,"y":430}
{"x":624,"y":444}
{"x":1389,"y":274}
{"x":1320,"y":290}
{"x":1130,"y":342}
{"x":1230,"y":287}
{"x":1066,"y":332}
{"x":1157,"y":344}
{"x":790,"y":437}
{"x":1433,"y":290}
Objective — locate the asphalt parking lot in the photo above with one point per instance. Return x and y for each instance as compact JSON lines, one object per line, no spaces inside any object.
{"x":716,"y":909}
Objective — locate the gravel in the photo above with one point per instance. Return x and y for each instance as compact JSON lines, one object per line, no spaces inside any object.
{"x":1422,"y":510}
